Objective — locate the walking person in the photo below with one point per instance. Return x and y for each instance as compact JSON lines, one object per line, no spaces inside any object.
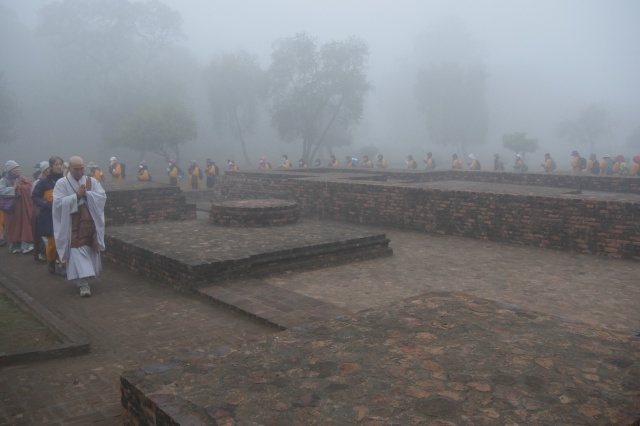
{"x":78,"y":224}
{"x":211,"y":171}
{"x":15,"y":191}
{"x":43,"y":198}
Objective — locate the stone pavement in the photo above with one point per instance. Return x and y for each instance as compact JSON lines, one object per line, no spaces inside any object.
{"x":436,"y":359}
{"x":134,"y":322}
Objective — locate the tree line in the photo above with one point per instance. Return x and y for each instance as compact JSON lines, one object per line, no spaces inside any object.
{"x":117,"y":64}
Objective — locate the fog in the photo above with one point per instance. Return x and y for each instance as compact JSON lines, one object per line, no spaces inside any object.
{"x":545,"y":63}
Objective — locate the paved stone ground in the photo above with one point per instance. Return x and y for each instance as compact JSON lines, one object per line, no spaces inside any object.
{"x":134,"y":322}
{"x":436,"y":359}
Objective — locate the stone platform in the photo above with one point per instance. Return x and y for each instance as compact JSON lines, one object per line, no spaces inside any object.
{"x":435,"y":359}
{"x":254,"y":213}
{"x":190,"y":254}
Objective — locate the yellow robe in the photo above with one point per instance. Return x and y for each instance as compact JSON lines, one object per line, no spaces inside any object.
{"x":116,"y":173}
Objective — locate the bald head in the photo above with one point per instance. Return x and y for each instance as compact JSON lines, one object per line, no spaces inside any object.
{"x":76,"y":167}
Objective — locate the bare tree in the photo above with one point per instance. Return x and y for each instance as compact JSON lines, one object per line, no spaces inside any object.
{"x":590,"y":127}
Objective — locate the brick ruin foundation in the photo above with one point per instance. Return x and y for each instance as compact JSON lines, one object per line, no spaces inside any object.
{"x":588,"y":214}
{"x":597,"y":215}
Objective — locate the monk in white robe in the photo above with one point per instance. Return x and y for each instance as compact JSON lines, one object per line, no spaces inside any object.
{"x":78,"y":224}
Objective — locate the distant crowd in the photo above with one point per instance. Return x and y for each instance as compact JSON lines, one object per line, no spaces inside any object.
{"x":26,"y":204}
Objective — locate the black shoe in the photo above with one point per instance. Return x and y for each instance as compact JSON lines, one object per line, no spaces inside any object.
{"x":51,"y":267}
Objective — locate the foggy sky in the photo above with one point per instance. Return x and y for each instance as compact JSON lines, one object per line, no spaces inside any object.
{"x":546,"y":59}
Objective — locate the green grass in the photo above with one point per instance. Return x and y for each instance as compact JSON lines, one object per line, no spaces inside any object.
{"x":21,"y":331}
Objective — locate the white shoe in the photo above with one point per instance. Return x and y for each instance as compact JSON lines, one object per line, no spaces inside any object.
{"x":85,"y":291}
{"x":27,"y":250}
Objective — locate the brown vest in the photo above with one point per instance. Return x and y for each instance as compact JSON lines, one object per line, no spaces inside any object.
{"x":83,"y":230}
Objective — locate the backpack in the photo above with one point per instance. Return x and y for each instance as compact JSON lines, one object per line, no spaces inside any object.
{"x":200,"y":173}
{"x":553,"y":164}
{"x":595,"y":167}
{"x":123,"y":168}
{"x":583,"y":163}
{"x":624,"y":168}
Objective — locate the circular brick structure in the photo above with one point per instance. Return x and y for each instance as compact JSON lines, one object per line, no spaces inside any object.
{"x":254,"y":213}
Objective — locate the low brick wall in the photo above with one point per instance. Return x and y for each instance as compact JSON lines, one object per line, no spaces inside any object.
{"x":141,"y":202}
{"x":584,"y":181}
{"x":583,"y":224}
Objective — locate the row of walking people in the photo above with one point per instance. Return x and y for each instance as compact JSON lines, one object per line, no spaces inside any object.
{"x":58,"y":217}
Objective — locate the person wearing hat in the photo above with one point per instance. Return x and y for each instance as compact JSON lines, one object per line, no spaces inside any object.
{"x":366,"y":162}
{"x":473,"y":163}
{"x":39,"y":245}
{"x":43,"y":200}
{"x":37,"y":173}
{"x":195,"y":175}
{"x":174,"y":172}
{"x":286,"y":164}
{"x":456,"y":164}
{"x":620,"y":166}
{"x":143,"y":172}
{"x":115,"y":170}
{"x":575,"y":163}
{"x":549,"y":164}
{"x":518,"y":166}
{"x":262,"y":164}
{"x":429,"y":163}
{"x":15,"y":190}
{"x":498,"y":165}
{"x":606,"y":165}
{"x":382,"y":162}
{"x":231,"y":165}
{"x":211,"y":171}
{"x":42,"y":167}
{"x":95,"y":172}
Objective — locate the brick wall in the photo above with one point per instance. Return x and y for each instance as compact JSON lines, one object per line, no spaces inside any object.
{"x":134,"y":202}
{"x":585,"y":181}
{"x":568,"y":223}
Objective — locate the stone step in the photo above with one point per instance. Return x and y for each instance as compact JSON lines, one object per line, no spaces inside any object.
{"x":270,"y":304}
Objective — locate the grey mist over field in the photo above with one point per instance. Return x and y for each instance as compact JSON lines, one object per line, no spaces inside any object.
{"x":250,"y":78}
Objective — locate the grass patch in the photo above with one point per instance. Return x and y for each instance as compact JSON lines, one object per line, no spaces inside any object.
{"x":21,"y":331}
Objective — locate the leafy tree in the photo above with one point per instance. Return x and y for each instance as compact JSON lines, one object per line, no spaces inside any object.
{"x":105,"y":51}
{"x":451,"y":97}
{"x":9,"y":112}
{"x":589,"y":128}
{"x":315,"y":90}
{"x":519,"y":143}
{"x":236,"y":84}
{"x":160,"y":126}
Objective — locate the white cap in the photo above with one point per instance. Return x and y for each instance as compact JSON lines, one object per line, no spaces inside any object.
{"x":112,"y":159}
{"x":472,"y":157}
{"x":44,"y":165}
